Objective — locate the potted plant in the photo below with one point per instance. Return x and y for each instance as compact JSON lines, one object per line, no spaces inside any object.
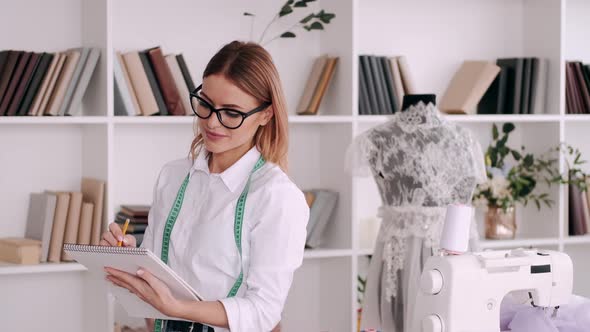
{"x":512,"y":177}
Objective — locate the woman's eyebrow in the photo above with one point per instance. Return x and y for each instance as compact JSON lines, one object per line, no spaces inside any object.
{"x":224,"y":105}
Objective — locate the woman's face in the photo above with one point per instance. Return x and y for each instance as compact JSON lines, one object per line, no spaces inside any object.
{"x":221,"y":93}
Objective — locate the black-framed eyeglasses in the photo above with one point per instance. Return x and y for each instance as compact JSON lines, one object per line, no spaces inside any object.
{"x":228,"y":117}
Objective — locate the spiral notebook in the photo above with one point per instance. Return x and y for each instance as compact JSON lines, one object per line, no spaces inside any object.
{"x":130,"y":259}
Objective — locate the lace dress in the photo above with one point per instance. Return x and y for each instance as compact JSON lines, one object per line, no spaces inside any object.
{"x":421,"y":163}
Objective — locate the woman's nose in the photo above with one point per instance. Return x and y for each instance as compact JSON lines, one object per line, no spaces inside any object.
{"x":213,"y":121}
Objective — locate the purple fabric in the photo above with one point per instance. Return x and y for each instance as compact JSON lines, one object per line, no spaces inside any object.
{"x":572,"y":317}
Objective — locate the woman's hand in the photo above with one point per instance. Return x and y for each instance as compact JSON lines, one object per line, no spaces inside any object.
{"x":148,"y":288}
{"x":114,"y":235}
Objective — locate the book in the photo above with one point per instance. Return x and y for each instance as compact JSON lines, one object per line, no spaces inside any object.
{"x":40,"y":220}
{"x":183,"y":90}
{"x":23,"y":84}
{"x":125,"y":86}
{"x":59,"y":226}
{"x":468,"y":86}
{"x":123,"y":101}
{"x":407,"y":78}
{"x":397,"y":82}
{"x":312,"y":84}
{"x":140,"y":83}
{"x":539,"y":88}
{"x":72,"y":221}
{"x":365,"y":65}
{"x":63,"y":81}
{"x":52,"y":82}
{"x":526,"y":85}
{"x":323,"y":84}
{"x":37,"y":100}
{"x":379,"y":84}
{"x":74,"y":107}
{"x":11,"y":62}
{"x":85,"y":228}
{"x":387,"y":72}
{"x":20,"y":250}
{"x":35,"y":85}
{"x":83,"y":51}
{"x":364,"y":106}
{"x":170,"y":93}
{"x":153,"y":82}
{"x":93,"y":192}
{"x":324,"y":203}
{"x":130,"y":259}
{"x":185,"y":72}
{"x":14,"y":81}
{"x":136,"y":210}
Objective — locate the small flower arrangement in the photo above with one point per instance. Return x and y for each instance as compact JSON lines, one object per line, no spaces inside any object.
{"x":513,"y":175}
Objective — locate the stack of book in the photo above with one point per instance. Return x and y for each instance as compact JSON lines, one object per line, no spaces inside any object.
{"x":519,"y":88}
{"x":150,"y":83}
{"x":322,"y":204}
{"x":138,"y":220}
{"x":44,"y":83}
{"x":383,"y":82}
{"x":577,"y":88}
{"x":578,"y":212}
{"x":58,"y":217}
{"x":317,"y":83}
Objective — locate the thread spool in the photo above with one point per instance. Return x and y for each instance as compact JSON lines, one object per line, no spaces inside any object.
{"x":455,"y":235}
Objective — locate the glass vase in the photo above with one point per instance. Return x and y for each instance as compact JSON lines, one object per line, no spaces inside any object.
{"x":500,"y":224}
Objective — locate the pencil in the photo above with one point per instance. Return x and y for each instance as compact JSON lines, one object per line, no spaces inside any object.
{"x":120,"y":243}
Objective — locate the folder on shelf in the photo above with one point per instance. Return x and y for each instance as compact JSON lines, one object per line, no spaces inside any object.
{"x":130,"y":259}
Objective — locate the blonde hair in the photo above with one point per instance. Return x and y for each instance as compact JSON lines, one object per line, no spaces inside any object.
{"x":250,"y":67}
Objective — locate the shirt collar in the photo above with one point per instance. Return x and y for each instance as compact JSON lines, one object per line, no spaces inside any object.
{"x":236,"y":174}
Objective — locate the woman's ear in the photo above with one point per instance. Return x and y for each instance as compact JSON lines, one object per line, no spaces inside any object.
{"x":267,"y":115}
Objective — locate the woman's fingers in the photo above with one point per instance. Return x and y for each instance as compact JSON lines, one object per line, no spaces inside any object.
{"x":109,"y":239}
{"x":130,"y":241}
{"x":116,"y":231}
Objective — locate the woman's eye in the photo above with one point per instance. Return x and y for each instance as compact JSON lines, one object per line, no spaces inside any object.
{"x":232,"y":114}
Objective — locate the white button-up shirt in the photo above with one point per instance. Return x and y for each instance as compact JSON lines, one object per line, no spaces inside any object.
{"x":202,"y":247}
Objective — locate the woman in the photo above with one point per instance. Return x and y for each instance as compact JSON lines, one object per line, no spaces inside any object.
{"x":235,"y":176}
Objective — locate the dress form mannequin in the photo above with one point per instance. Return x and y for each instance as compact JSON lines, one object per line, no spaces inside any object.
{"x":421,"y":163}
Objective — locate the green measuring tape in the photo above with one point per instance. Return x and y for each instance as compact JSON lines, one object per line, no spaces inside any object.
{"x":238,"y":222}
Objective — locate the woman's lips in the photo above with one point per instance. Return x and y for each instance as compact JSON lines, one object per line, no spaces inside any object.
{"x":214,"y":136}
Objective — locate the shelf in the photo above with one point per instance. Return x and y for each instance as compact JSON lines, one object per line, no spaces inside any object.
{"x":191,"y":119}
{"x":517,"y":118}
{"x":577,"y":117}
{"x":581,"y":239}
{"x":365,"y":252}
{"x":13,"y":269}
{"x":327,"y":253}
{"x":498,"y":244}
{"x":53,"y":120}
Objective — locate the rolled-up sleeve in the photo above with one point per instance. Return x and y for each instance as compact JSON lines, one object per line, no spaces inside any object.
{"x":277,"y":241}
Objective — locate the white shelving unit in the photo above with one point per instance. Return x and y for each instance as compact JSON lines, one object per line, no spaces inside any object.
{"x":41,"y":153}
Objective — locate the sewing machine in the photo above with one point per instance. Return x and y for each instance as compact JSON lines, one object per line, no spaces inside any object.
{"x":462,"y":293}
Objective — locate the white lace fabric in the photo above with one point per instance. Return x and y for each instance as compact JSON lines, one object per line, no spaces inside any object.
{"x":421,"y":163}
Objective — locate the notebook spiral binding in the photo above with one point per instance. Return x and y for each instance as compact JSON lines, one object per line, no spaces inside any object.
{"x":105,"y":249}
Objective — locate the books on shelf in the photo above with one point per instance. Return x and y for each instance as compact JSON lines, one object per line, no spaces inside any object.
{"x":41,"y":83}
{"x":58,"y":217}
{"x":383,"y":82}
{"x":519,"y":88}
{"x":322,"y":203}
{"x":577,"y":88}
{"x":578,"y":211}
{"x":318,"y":81}
{"x":468,"y":86}
{"x":149,"y":82}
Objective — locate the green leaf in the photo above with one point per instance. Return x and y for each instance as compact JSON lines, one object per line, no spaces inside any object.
{"x":290,"y":2}
{"x":307,"y":19}
{"x":494,"y":132}
{"x":248,"y":14}
{"x":316,"y":26}
{"x":300,"y":4}
{"x":528,"y":160}
{"x":286,"y":10}
{"x":288,"y":34}
{"x":508,"y":127}
{"x":538,"y":204}
{"x":516,"y":155}
{"x":327,"y":17}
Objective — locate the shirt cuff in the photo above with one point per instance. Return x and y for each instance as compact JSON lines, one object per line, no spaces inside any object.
{"x":232,"y":310}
